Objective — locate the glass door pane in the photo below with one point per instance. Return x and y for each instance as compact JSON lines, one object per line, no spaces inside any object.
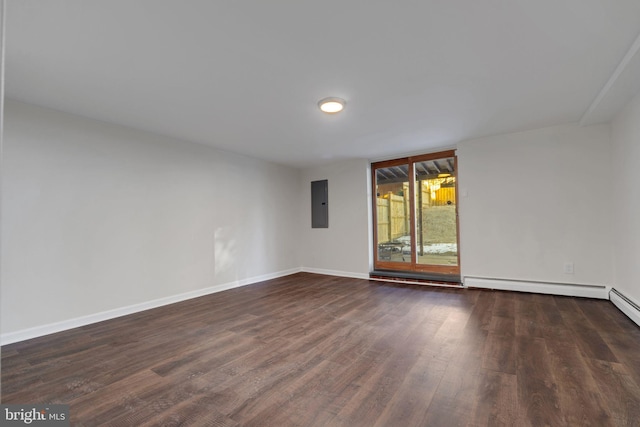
{"x":436,"y":217}
{"x":415,"y":216}
{"x":393,"y":214}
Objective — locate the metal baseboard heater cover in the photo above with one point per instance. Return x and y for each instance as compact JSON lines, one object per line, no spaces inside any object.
{"x":625,"y":305}
{"x":565,"y":289}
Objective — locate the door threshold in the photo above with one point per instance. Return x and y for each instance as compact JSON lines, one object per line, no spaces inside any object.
{"x":407,"y":276}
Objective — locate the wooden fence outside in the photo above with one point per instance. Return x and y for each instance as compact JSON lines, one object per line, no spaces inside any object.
{"x":443,"y":195}
{"x":393,"y":217}
{"x":393,"y":212}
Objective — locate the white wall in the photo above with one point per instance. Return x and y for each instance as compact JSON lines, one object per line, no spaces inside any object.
{"x":96,"y":217}
{"x":535,"y":200}
{"x":625,"y":208}
{"x":344,"y":247}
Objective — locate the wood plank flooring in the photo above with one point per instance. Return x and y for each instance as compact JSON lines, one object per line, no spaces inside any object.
{"x":312,"y":350}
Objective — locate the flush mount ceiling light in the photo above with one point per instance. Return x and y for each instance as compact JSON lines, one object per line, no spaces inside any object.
{"x":332,"y":105}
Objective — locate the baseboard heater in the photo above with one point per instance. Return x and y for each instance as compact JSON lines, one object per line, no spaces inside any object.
{"x":625,"y":305}
{"x":565,"y":289}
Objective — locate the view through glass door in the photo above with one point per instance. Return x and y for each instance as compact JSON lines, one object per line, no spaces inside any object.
{"x":415,"y":214}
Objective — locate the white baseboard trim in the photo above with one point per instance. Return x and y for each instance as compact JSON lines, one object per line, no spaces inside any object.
{"x":38,"y":331}
{"x":336,"y":273}
{"x":625,"y":305}
{"x":565,"y":289}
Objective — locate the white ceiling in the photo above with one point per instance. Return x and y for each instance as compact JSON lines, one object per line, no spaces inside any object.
{"x":246,"y":75}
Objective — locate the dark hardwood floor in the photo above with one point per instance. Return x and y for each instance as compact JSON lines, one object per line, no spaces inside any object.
{"x":311,"y":350}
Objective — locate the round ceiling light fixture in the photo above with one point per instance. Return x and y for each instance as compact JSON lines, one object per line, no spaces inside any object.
{"x":332,"y":105}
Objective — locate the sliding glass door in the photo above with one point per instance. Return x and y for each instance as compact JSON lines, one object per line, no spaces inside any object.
{"x":393,"y":207}
{"x":415,"y":214}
